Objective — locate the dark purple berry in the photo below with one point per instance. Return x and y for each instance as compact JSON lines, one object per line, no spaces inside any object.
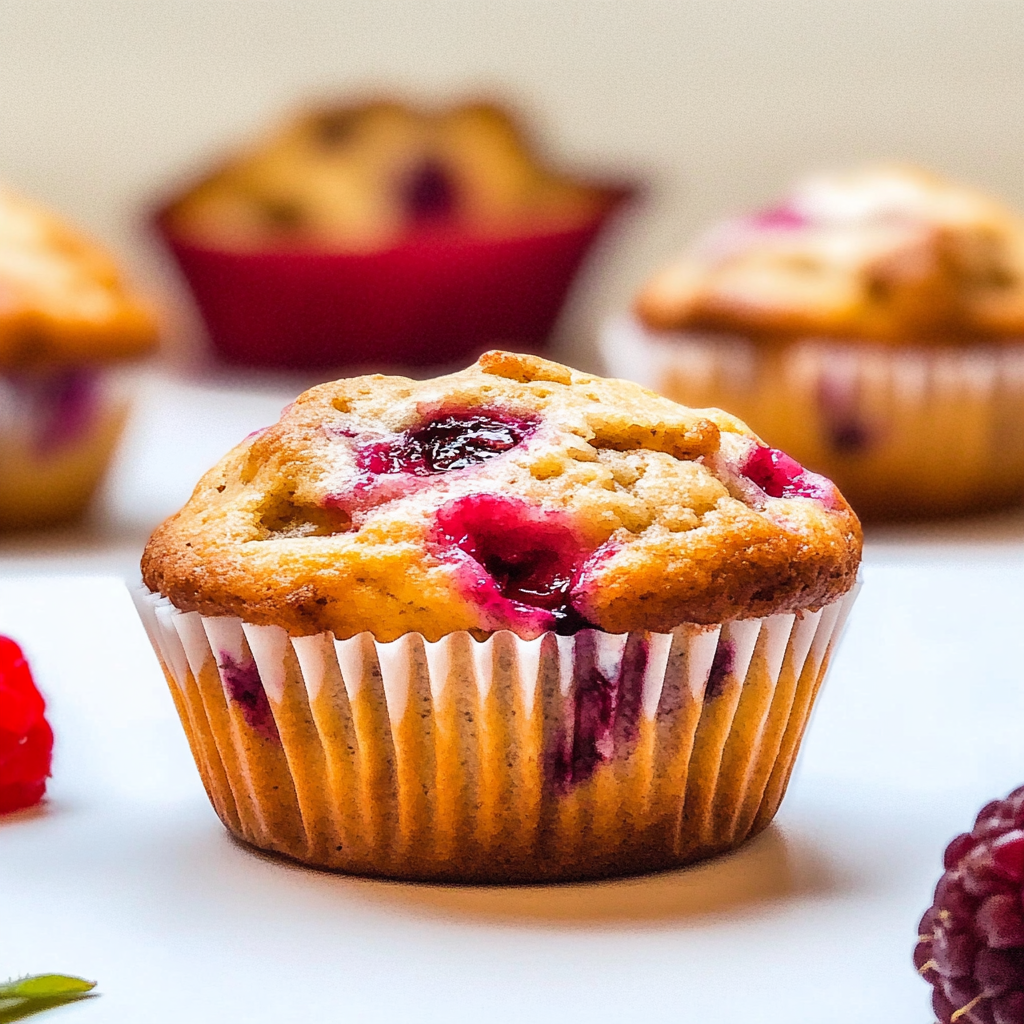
{"x":998,"y":971}
{"x":959,"y":991}
{"x":1008,"y":855}
{"x":970,"y":945}
{"x":954,"y":952}
{"x":1008,"y":1009}
{"x":957,"y":848}
{"x":999,"y":921}
{"x":953,"y":898}
{"x":943,"y":1008}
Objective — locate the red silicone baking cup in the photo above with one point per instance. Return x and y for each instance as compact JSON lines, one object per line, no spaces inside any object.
{"x":436,"y":298}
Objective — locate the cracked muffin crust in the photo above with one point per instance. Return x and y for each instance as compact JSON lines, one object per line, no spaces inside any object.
{"x":887,"y":254}
{"x":517,"y":494}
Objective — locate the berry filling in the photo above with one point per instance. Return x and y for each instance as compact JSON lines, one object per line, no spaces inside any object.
{"x":245,"y":688}
{"x":454,"y":441}
{"x":779,"y":476}
{"x":429,"y":193}
{"x":26,"y":741}
{"x":529,"y":556}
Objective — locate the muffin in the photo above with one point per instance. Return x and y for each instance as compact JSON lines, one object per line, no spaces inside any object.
{"x":871,"y":324}
{"x":65,"y":317}
{"x":517,"y":623}
{"x":383,"y":233}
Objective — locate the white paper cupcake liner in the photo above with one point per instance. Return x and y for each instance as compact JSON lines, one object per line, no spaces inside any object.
{"x":499,"y":760}
{"x":901,"y":430}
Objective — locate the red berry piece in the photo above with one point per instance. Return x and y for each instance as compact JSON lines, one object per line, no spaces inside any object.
{"x":970,"y":946}
{"x":530,"y":557}
{"x":26,"y":740}
{"x":780,"y":476}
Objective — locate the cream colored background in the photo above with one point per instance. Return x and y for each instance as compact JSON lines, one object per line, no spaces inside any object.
{"x":102,"y":102}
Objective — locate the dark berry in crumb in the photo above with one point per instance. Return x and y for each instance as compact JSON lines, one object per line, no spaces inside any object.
{"x":451,"y":442}
{"x":26,"y":741}
{"x":429,"y":193}
{"x":970,"y":945}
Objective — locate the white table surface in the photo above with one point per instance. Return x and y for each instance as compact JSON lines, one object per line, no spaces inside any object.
{"x":126,"y":876}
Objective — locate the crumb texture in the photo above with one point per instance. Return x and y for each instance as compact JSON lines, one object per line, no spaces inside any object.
{"x":517,"y":494}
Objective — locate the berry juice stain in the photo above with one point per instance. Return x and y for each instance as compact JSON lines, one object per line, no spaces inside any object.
{"x":245,"y":689}
{"x":839,"y":409}
{"x":722,"y":666}
{"x":780,"y":476}
{"x":450,"y":442}
{"x":606,"y":713}
{"x":530,"y":556}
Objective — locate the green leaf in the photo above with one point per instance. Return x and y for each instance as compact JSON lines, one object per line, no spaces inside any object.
{"x":45,"y":986}
{"x":24,"y":997}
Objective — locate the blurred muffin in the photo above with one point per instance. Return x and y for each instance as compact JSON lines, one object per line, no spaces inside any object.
{"x":65,"y":317}
{"x":516,"y":623}
{"x":364,"y":177}
{"x":383,"y":233}
{"x":872,"y":324}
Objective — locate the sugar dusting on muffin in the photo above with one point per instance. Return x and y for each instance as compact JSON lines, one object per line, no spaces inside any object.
{"x":887,"y":253}
{"x":517,"y":494}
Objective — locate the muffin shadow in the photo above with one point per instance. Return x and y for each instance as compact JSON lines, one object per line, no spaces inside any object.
{"x":771,"y":868}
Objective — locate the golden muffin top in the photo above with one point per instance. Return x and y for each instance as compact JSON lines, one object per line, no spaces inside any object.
{"x":517,"y":494}
{"x":62,"y":299}
{"x":886,"y":253}
{"x":363,"y":177}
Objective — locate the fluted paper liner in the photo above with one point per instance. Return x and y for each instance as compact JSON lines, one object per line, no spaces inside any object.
{"x":918,"y":429}
{"x":498,"y":760}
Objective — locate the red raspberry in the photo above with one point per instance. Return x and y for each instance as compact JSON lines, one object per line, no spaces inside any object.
{"x":971,"y":940}
{"x":26,"y":740}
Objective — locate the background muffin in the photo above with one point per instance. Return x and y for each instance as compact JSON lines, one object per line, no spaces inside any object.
{"x":871,"y":324}
{"x":383,"y":233}
{"x":518,"y":622}
{"x":364,"y":177}
{"x":65,"y":316}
